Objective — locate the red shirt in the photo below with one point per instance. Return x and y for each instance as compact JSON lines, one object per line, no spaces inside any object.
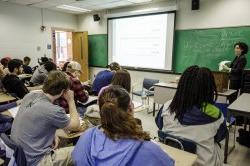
{"x":79,"y":92}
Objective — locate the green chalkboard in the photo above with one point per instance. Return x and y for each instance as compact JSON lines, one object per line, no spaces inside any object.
{"x":98,"y":50}
{"x":207,"y":47}
{"x":203,"y":47}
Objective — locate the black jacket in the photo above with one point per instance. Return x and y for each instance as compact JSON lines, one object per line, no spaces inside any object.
{"x":14,"y":86}
{"x":237,"y":67}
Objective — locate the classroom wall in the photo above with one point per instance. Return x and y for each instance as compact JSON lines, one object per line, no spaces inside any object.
{"x":20,"y":33}
{"x":212,"y":13}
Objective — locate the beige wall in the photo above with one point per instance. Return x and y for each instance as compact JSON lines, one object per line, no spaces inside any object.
{"x":20,"y":33}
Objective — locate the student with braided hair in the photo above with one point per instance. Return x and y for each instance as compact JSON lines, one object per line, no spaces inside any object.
{"x":119,"y":140}
{"x":192,"y":115}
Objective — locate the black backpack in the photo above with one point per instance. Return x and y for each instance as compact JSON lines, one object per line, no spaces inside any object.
{"x":244,"y":137}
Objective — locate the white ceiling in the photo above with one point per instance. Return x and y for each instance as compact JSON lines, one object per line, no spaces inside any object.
{"x":93,"y":5}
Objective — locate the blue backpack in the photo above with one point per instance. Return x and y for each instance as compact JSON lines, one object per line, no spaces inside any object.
{"x":159,"y":118}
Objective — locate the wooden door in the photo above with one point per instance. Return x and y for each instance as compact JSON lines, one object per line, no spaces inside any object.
{"x":80,"y":52}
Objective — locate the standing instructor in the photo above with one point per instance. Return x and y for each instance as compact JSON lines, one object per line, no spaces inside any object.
{"x":237,"y":66}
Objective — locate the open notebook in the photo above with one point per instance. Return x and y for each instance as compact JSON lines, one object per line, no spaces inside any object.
{"x":13,"y":111}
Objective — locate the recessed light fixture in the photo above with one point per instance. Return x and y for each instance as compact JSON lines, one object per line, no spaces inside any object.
{"x":73,"y":8}
{"x":145,"y":10}
{"x":139,"y":1}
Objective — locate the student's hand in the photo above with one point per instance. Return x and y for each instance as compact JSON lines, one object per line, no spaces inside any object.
{"x":86,"y":92}
{"x":226,"y":68}
{"x":56,"y":142}
{"x":18,"y":102}
{"x":69,"y":95}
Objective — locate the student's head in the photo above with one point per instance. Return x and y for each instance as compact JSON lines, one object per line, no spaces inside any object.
{"x":74,"y":68}
{"x":240,"y":48}
{"x":114,"y":66}
{"x":43,"y":60}
{"x":15,"y":66}
{"x":26,"y":60}
{"x":49,"y":66}
{"x":122,"y":78}
{"x":64,"y":68}
{"x":4,"y":62}
{"x":195,"y":88}
{"x":116,"y":118}
{"x":56,"y":83}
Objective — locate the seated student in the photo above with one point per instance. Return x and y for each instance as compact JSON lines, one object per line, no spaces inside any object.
{"x":119,"y":140}
{"x":26,"y":68}
{"x":1,"y":76}
{"x":80,"y":94}
{"x":41,"y":73}
{"x":40,"y":61}
{"x":192,"y":115}
{"x":6,"y":121}
{"x":37,"y":120}
{"x":11,"y":82}
{"x":104,"y":78}
{"x":64,"y":68}
{"x":4,"y":62}
{"x":121,"y":78}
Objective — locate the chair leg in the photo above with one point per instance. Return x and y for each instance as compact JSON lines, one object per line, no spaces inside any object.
{"x":154,"y":109}
{"x":226,"y":148}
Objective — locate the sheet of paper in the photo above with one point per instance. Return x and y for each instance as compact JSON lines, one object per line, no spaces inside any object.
{"x":13,"y":111}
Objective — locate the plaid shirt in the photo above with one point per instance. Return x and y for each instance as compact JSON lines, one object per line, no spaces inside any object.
{"x":79,"y":93}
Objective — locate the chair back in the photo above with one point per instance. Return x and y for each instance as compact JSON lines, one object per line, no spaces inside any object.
{"x":245,"y":82}
{"x":177,"y":142}
{"x":149,"y":83}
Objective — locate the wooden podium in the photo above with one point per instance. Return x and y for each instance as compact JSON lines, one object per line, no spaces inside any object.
{"x":221,"y":80}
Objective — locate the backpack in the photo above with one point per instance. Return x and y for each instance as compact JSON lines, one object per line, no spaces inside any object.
{"x":159,"y":118}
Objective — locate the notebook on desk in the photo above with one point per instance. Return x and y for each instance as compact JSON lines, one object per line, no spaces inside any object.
{"x":14,"y":111}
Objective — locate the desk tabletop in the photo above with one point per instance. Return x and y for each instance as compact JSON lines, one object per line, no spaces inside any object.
{"x":174,"y":85}
{"x":241,"y":104}
{"x":6,"y":98}
{"x":23,"y":76}
{"x":182,"y":158}
{"x":167,"y":85}
{"x":227,"y":92}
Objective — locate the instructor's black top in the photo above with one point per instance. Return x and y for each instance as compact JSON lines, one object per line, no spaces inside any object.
{"x":237,"y":67}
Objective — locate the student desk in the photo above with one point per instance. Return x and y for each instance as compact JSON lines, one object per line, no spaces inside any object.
{"x":182,"y":158}
{"x":164,"y":92}
{"x":6,"y":98}
{"x":240,"y":106}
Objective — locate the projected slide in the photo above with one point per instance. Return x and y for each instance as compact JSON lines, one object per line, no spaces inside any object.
{"x":141,"y":41}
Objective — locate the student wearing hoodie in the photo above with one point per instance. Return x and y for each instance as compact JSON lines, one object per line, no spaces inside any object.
{"x":192,"y":115}
{"x":41,"y":73}
{"x":119,"y":140}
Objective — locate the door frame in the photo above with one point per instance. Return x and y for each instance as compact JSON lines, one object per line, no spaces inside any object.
{"x":53,"y":29}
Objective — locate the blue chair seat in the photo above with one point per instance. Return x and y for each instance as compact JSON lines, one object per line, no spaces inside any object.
{"x":187,"y":145}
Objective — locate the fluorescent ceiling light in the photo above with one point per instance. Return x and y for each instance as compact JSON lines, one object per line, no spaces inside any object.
{"x":139,"y":1}
{"x":145,"y":10}
{"x":73,"y":8}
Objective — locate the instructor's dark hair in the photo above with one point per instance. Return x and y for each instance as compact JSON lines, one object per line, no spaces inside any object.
{"x":196,"y":88}
{"x":243,"y":47}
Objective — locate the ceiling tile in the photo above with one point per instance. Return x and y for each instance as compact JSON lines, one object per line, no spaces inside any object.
{"x":25,"y":2}
{"x":113,"y":5}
